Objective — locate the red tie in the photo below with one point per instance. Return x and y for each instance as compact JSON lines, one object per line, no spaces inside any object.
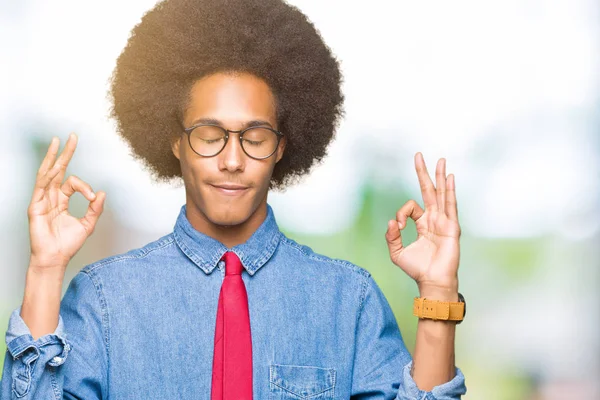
{"x":232,"y":361}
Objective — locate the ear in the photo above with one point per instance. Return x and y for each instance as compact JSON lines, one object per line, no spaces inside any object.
{"x":280,"y":149}
{"x":175,"y":142}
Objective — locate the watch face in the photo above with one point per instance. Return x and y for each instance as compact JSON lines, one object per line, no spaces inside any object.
{"x":462,"y":300}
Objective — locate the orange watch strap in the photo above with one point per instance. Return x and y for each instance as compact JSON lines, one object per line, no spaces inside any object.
{"x":438,"y":310}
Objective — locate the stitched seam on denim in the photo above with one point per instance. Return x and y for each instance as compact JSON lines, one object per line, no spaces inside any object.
{"x":300,"y":396}
{"x":138,"y":253}
{"x":190,"y":254}
{"x":268,"y":253}
{"x":54,"y":382}
{"x":303,"y":366}
{"x":31,"y":370}
{"x":330,"y":370}
{"x":105,"y":320}
{"x":323,"y":258}
{"x":23,"y":346}
{"x":48,"y":339}
{"x":363,"y":295}
{"x":39,"y":342}
{"x":207,"y":264}
{"x":286,"y":390}
{"x":14,"y":389}
{"x":28,"y":378}
{"x":334,"y":382}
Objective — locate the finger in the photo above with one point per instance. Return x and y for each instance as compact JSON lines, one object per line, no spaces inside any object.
{"x":74,"y":184}
{"x":410,"y":209}
{"x":42,"y":179}
{"x":393,"y":237}
{"x":451,"y":206}
{"x":42,"y":183}
{"x":440,"y":184}
{"x":427,"y":188}
{"x":94,"y":211}
{"x":48,"y":160}
{"x":63,"y":160}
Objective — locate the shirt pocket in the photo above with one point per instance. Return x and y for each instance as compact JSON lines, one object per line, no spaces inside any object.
{"x":301,"y":382}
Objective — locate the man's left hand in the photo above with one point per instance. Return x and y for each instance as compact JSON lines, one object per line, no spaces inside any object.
{"x":432,"y":260}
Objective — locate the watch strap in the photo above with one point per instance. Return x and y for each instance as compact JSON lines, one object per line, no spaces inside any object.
{"x":438,"y":310}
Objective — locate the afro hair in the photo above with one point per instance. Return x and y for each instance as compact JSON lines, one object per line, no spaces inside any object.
{"x":180,"y":41}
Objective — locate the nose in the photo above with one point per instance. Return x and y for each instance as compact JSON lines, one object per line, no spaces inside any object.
{"x":232,"y":156}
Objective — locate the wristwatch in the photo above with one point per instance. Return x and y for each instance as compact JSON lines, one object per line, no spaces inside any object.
{"x":440,"y":310}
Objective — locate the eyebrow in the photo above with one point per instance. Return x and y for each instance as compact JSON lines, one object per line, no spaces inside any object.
{"x":214,"y":121}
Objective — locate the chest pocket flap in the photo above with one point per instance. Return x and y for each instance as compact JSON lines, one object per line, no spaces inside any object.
{"x":301,"y":382}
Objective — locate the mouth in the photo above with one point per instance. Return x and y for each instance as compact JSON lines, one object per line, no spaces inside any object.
{"x":230,"y":190}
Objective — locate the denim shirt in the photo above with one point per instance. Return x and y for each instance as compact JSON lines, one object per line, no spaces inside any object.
{"x":140,"y":325}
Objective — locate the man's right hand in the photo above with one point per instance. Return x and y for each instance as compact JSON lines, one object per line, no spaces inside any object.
{"x":55,"y":235}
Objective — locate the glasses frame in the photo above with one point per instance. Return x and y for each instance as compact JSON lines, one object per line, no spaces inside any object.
{"x":226,"y":132}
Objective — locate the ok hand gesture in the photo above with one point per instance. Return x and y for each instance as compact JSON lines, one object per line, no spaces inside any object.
{"x":55,"y":235}
{"x":432,"y":260}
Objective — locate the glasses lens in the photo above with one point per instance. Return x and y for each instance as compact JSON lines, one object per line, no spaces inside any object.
{"x":259,"y":142}
{"x":207,"y":140}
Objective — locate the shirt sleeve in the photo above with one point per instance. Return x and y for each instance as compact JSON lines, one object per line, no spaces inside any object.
{"x":382,"y":362}
{"x":71,"y":362}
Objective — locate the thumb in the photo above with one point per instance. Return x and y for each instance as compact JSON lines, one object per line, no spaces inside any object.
{"x":393,"y":236}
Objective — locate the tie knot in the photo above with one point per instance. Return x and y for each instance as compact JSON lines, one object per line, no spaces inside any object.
{"x":233,"y":265}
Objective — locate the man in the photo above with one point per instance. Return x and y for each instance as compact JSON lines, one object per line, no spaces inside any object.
{"x":235,"y":98}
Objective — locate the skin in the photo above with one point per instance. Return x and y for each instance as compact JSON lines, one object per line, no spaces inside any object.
{"x":234,"y":100}
{"x":55,"y":236}
{"x":432,"y":261}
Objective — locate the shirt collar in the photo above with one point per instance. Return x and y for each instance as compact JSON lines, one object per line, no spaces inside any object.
{"x":205,"y":251}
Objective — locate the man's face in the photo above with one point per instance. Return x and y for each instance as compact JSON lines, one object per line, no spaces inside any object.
{"x":231,"y":101}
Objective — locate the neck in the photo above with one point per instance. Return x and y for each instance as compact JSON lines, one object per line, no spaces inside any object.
{"x":229,"y":235}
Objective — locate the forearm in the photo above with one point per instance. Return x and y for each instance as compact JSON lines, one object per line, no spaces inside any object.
{"x":41,"y":301}
{"x":433,"y":360}
{"x":36,"y":369}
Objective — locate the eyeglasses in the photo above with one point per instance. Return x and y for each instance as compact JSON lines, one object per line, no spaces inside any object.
{"x":258,"y":142}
